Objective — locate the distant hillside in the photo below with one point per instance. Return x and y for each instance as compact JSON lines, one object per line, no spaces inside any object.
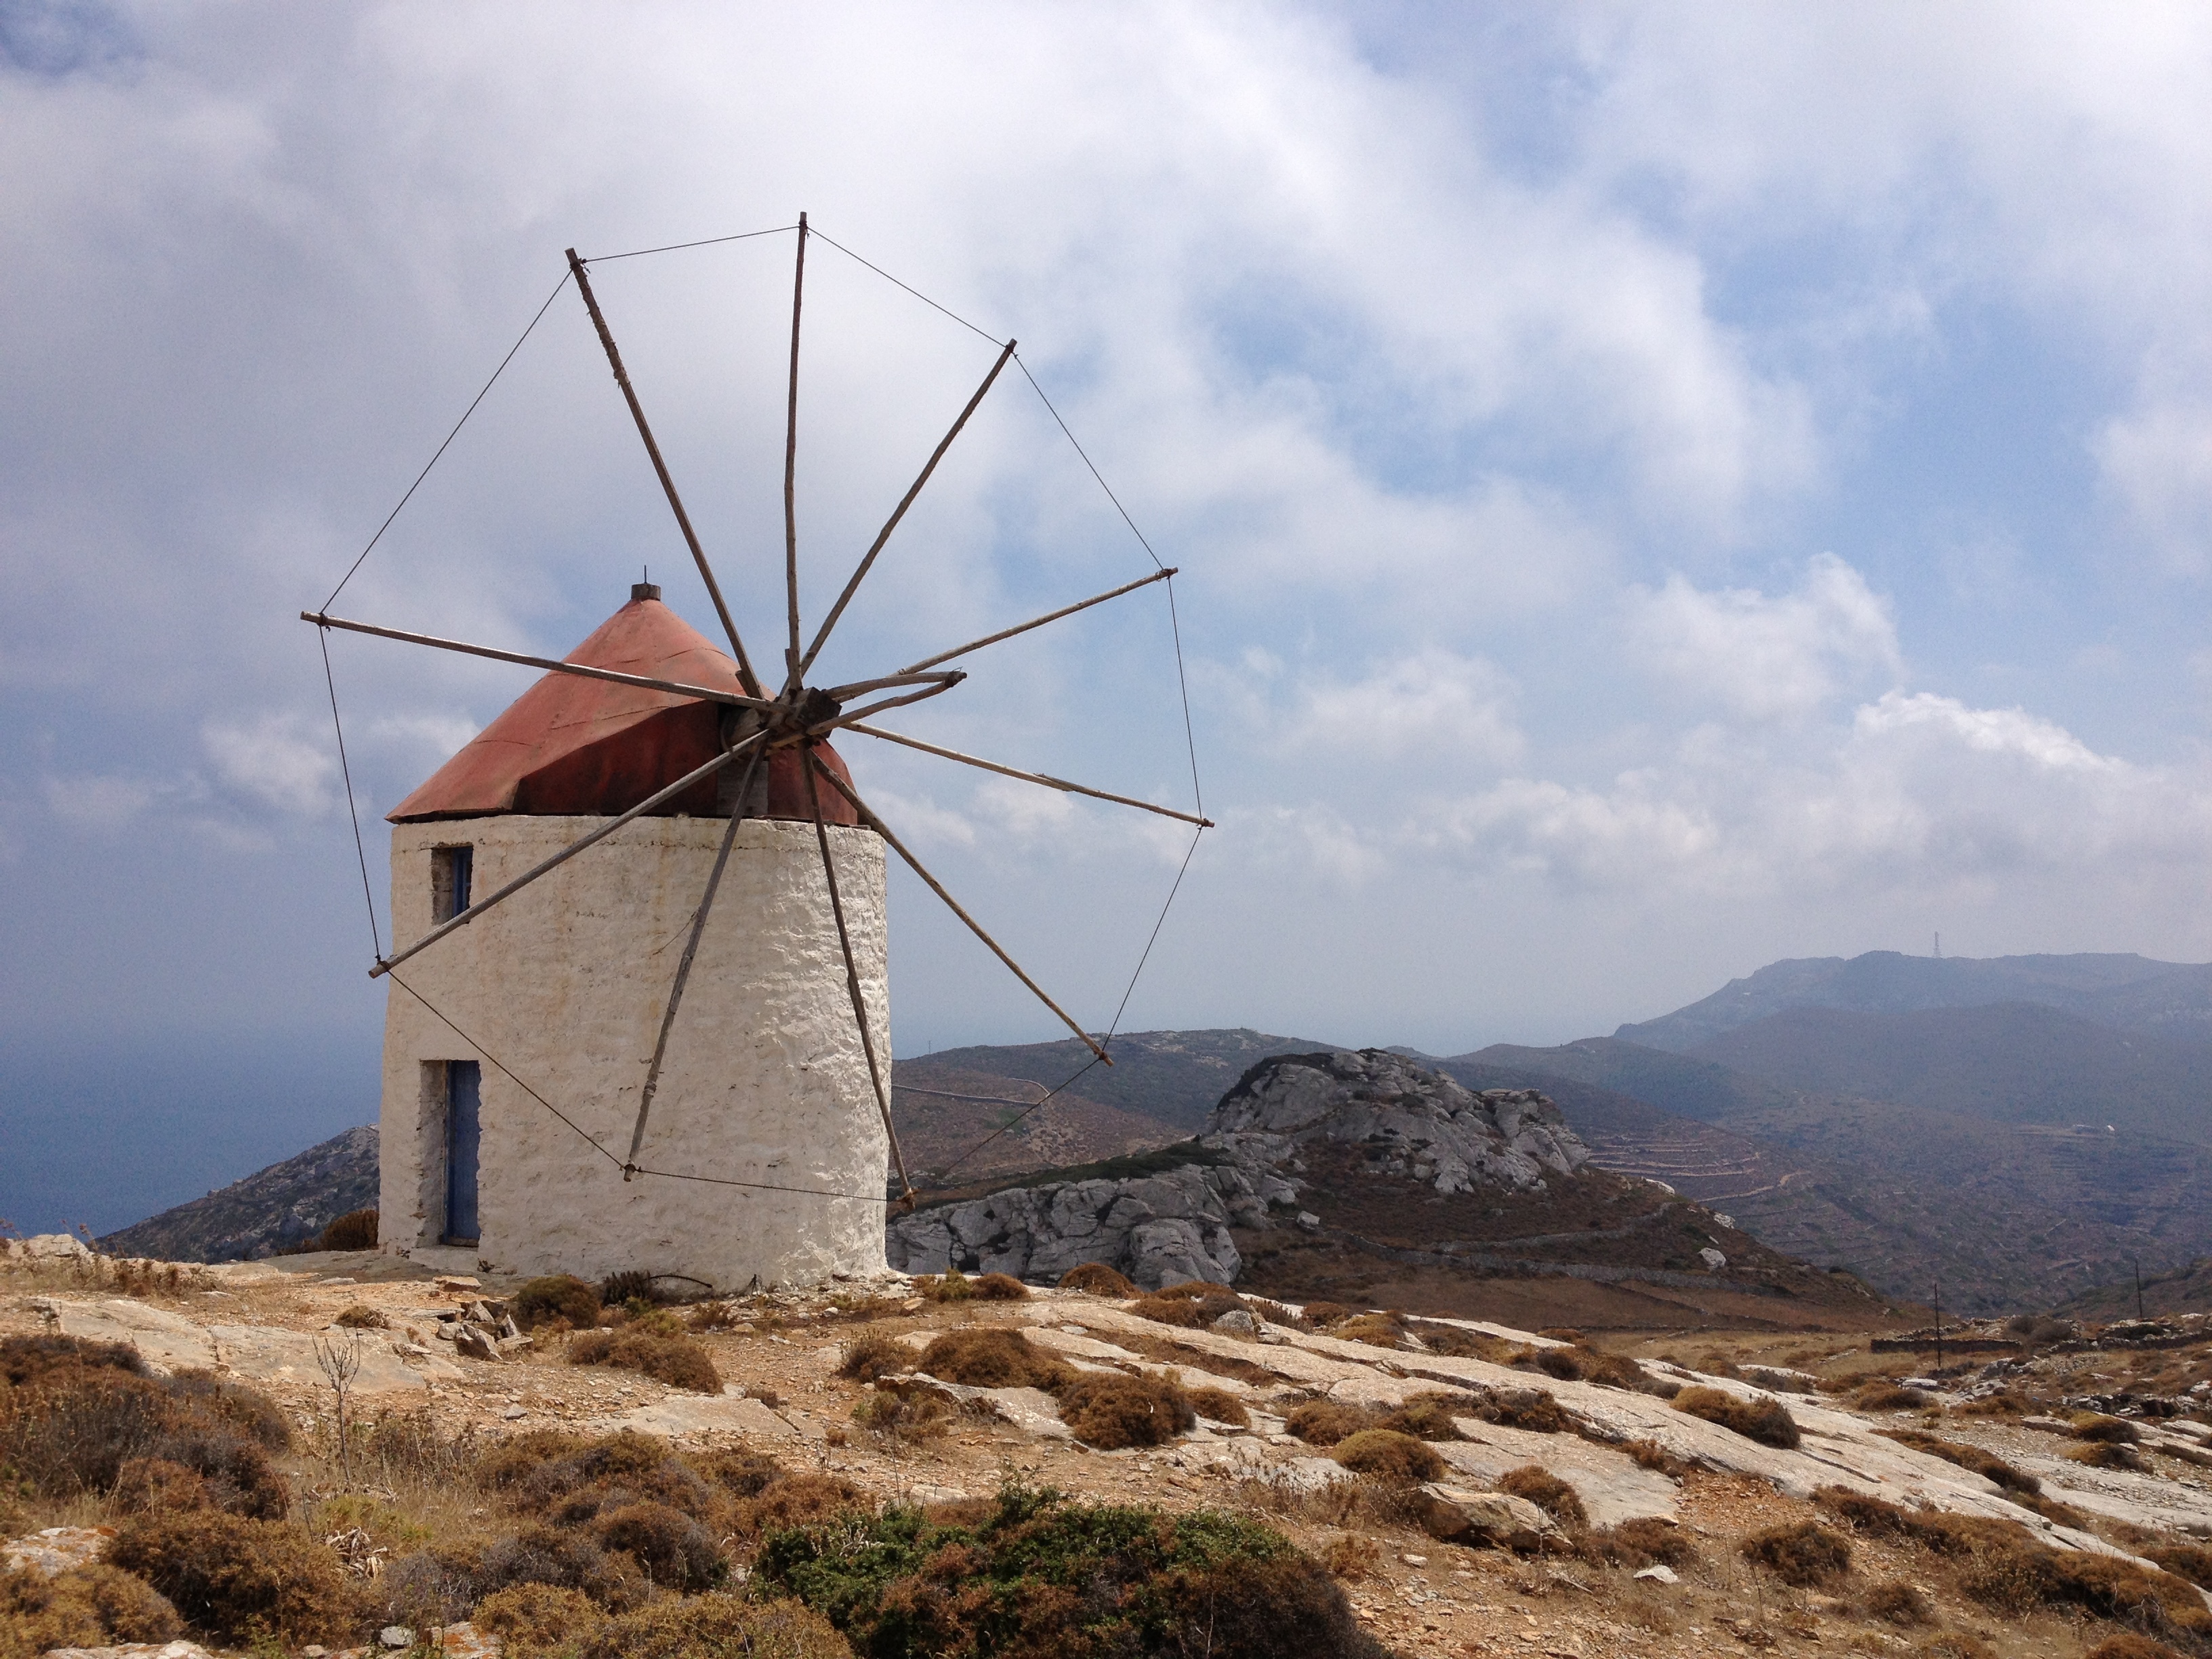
{"x":2186,"y":1290}
{"x":1702,"y":1089}
{"x":2012,"y":1062}
{"x":2012,"y":1215}
{"x":259,"y":1216}
{"x":1173,"y":1076}
{"x":2128,"y":992}
{"x":946,"y":1116}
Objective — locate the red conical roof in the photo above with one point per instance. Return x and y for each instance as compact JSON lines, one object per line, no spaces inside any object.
{"x":572,"y":746}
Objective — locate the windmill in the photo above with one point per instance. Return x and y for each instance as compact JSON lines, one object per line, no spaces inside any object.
{"x":742,"y":1095}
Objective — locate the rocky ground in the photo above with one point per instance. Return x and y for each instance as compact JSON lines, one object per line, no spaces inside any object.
{"x":1448,"y":1566}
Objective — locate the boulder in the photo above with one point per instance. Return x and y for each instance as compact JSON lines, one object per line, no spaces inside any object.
{"x":1459,"y":1515}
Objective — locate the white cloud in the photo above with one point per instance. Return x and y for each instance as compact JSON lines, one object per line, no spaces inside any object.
{"x":97,"y":802}
{"x":1920,"y":791}
{"x":2158,"y":461}
{"x":1768,"y":657}
{"x":270,"y":763}
{"x":1432,"y":703}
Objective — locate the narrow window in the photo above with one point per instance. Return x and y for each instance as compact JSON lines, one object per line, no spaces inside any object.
{"x":464,"y":1136}
{"x":450,"y":871}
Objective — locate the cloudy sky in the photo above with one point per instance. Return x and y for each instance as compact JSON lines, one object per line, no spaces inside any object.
{"x":1657,"y":490}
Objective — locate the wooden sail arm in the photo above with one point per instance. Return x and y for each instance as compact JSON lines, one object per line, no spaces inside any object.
{"x":975,"y":927}
{"x":853,"y":725}
{"x":1049,"y":616}
{"x":707,"y":693}
{"x":746,"y":675}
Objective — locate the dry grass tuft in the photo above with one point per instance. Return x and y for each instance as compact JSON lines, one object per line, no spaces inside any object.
{"x":1428,"y":1415}
{"x":1764,"y":1418}
{"x":1218,"y":1405}
{"x":1884,"y":1395}
{"x":353,"y":1230}
{"x":1110,"y":1410}
{"x":1536,"y":1410}
{"x":1895,"y":1602}
{"x":871,"y":1355}
{"x":556,"y":1295}
{"x":1547,"y":1492}
{"x":906,"y":1418}
{"x":1326,"y":1422}
{"x":1170,"y":1310}
{"x":1097,"y":1279}
{"x":363,"y":1317}
{"x":675,"y":1360}
{"x":536,"y":1621}
{"x":715,"y":1627}
{"x":991,"y":1356}
{"x":1988,"y":1465}
{"x":1804,"y":1554}
{"x":233,"y":1578}
{"x":2189,"y":1561}
{"x":1377,"y":1330}
{"x":88,"y":1607}
{"x":2099,"y":1430}
{"x":1643,"y":1542}
{"x":1000,"y":1287}
{"x":2128,"y":1645}
{"x":2105,"y":1455}
{"x":1390,"y":1456}
{"x":1351,"y":1555}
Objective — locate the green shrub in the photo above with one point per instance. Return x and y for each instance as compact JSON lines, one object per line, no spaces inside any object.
{"x":1038,"y":1576}
{"x":1109,"y":1411}
{"x":232,"y":1576}
{"x":1803,"y":1554}
{"x":556,"y":1295}
{"x":675,"y":1360}
{"x":991,"y":1356}
{"x":1389,"y":1455}
{"x":1763,"y":1418}
{"x":1547,"y":1492}
{"x":1097,"y":1279}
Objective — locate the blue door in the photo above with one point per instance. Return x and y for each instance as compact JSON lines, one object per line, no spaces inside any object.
{"x":464,"y":1131}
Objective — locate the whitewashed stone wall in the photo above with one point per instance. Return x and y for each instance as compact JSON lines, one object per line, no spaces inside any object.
{"x":564,"y":985}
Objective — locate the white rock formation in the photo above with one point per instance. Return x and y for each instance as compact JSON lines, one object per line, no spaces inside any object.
{"x":1173,"y":1226}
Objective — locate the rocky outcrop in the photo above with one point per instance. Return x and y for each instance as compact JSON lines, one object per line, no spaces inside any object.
{"x":1414,"y":1121}
{"x":1168,"y":1226}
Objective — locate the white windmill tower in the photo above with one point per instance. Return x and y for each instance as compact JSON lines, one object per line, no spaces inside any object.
{"x":752,"y":1138}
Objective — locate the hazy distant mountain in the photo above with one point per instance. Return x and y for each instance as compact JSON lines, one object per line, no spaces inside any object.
{"x":268,"y":1210}
{"x":2013,"y":1062}
{"x":2128,"y":992}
